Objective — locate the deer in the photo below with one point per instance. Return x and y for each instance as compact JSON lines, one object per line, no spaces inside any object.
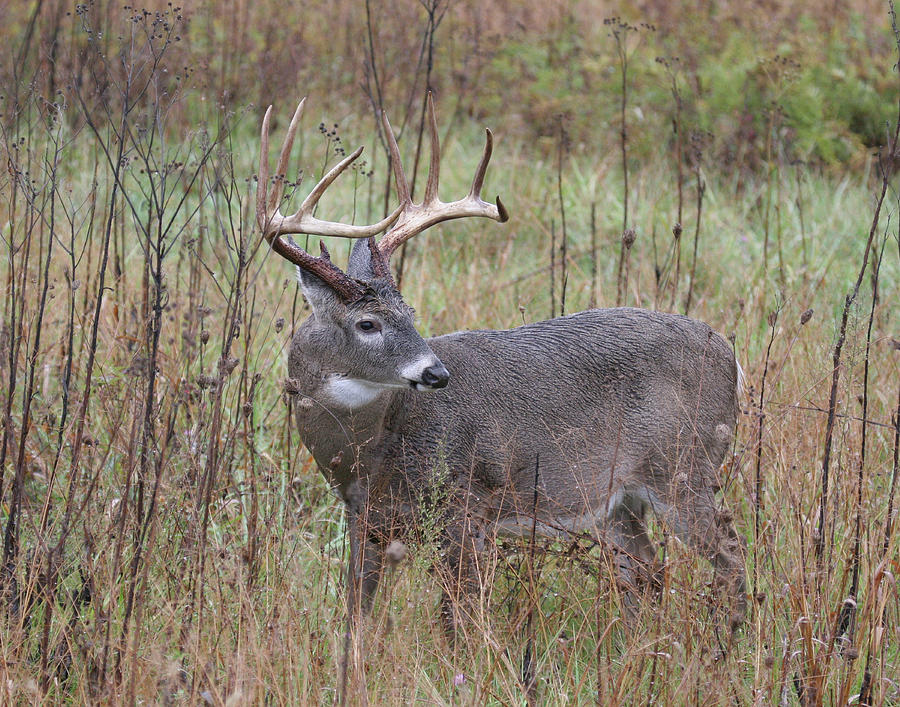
{"x":570,"y":427}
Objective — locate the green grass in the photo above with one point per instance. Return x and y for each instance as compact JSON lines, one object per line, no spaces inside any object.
{"x":207,"y":525}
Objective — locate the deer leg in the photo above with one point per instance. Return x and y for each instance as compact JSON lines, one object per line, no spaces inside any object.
{"x":726,"y":552}
{"x":635,"y":555}
{"x":363,"y":570}
{"x":459,"y":572}
{"x":712,"y":534}
{"x":363,"y":573}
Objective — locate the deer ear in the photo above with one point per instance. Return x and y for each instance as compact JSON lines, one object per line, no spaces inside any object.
{"x":360,"y":266}
{"x":320,"y":295}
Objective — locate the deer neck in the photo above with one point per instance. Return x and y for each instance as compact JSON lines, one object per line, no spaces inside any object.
{"x":340,"y":419}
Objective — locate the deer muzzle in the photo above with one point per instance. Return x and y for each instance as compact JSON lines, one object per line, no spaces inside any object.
{"x":434,"y":377}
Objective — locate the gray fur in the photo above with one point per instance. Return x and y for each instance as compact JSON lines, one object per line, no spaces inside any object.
{"x":360,"y":265}
{"x":610,"y":411}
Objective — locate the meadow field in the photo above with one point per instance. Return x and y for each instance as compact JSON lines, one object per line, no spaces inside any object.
{"x":166,"y":537}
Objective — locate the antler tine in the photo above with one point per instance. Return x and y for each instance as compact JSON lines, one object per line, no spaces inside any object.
{"x":478,"y":181}
{"x":396,"y":165}
{"x":303,"y":220}
{"x":434,"y":167}
{"x":273,"y":223}
{"x":312,"y":199}
{"x":284,"y":156}
{"x":262,"y":178}
{"x":415,"y":218}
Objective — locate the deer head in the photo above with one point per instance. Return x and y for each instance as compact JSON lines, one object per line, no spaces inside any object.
{"x":361,"y":332}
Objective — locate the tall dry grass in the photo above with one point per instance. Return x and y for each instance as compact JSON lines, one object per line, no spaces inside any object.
{"x":165,"y":536}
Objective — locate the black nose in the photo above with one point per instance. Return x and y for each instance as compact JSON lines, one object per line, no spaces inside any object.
{"x":435,"y":376}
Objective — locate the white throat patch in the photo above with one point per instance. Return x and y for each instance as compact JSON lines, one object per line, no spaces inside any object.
{"x":352,"y":392}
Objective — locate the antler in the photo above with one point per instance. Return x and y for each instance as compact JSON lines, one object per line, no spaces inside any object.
{"x":415,"y":218}
{"x":274,"y":225}
{"x":408,"y":219}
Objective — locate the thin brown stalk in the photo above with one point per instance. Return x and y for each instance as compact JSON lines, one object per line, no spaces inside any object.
{"x":760,"y":426}
{"x":849,"y":301}
{"x":593,"y":300}
{"x":895,"y":472}
{"x":562,"y":150}
{"x":701,"y":190}
{"x":435,"y":11}
{"x":847,"y":622}
{"x":529,"y":678}
{"x":552,"y":268}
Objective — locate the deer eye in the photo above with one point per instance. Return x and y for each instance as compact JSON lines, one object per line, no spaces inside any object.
{"x":368,"y":326}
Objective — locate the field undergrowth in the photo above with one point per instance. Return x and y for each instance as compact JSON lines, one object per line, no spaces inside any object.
{"x":167,"y":539}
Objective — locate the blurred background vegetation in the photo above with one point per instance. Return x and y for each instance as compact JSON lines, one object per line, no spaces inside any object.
{"x":806,"y":79}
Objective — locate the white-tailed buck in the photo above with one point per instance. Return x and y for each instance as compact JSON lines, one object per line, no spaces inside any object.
{"x":571,"y":426}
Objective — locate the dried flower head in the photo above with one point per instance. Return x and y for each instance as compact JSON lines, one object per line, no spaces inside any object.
{"x":291,"y":386}
{"x":395,"y":553}
{"x":227,"y":365}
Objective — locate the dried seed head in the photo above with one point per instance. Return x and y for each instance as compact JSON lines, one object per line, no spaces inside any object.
{"x":227,"y":365}
{"x":677,"y":231}
{"x":204,"y":382}
{"x":301,"y":402}
{"x":279,"y":325}
{"x":291,"y":386}
{"x":628,"y":237}
{"x":204,"y":336}
{"x":806,"y":316}
{"x":395,"y":553}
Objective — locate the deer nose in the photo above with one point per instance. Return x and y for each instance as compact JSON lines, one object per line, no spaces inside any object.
{"x":435,"y":376}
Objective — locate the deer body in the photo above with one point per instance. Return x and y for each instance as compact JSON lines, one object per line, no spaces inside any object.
{"x":573,"y":426}
{"x":599,"y":400}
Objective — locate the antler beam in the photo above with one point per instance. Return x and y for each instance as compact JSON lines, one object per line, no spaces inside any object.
{"x":274,"y":225}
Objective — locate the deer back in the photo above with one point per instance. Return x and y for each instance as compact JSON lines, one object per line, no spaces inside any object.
{"x":586,"y":407}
